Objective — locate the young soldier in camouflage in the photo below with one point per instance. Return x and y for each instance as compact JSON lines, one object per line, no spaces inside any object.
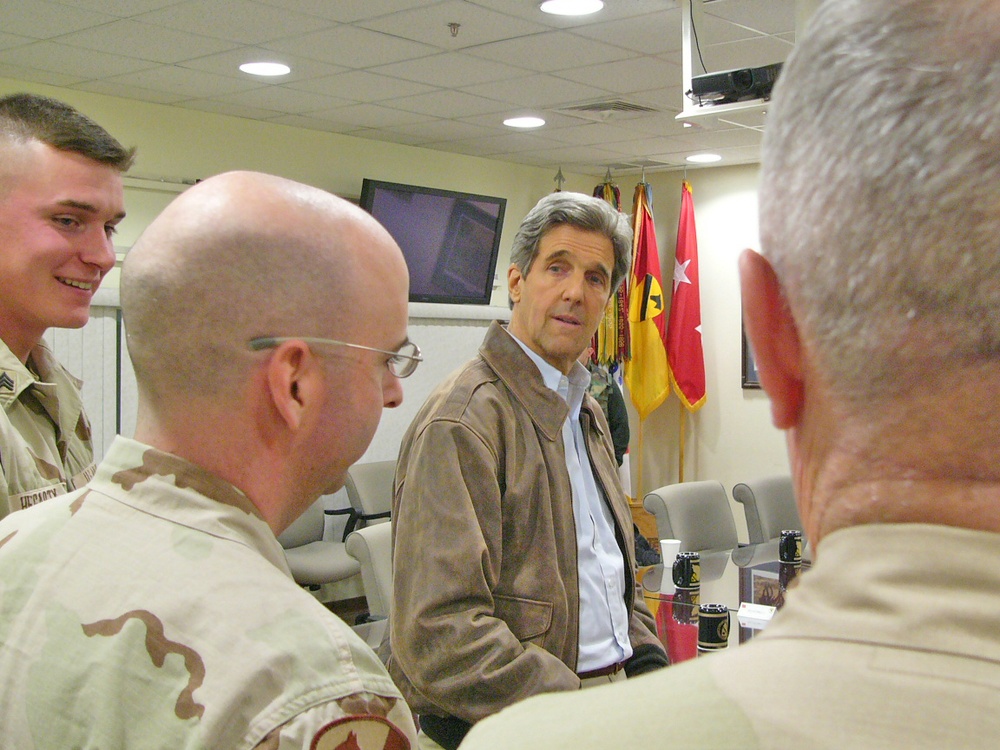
{"x":60,"y":200}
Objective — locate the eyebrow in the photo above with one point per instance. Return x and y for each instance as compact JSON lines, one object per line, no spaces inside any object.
{"x":88,"y":207}
{"x":562,"y":253}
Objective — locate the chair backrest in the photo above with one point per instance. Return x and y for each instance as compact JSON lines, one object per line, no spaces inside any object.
{"x":372,"y":547}
{"x":305,"y":529}
{"x":369,"y":487}
{"x":697,"y":513}
{"x":769,"y":507}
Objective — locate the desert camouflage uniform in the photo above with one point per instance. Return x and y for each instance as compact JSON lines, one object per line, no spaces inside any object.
{"x":45,"y":447}
{"x":154,"y":609}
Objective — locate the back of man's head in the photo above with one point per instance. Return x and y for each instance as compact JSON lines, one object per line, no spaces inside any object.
{"x":27,"y":117}
{"x":880,"y":192}
{"x":238,"y":256}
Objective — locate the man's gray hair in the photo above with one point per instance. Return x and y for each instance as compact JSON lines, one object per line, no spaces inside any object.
{"x":880,"y":189}
{"x":583,"y":212}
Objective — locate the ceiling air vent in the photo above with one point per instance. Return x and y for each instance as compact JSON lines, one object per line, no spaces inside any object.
{"x":616,"y":109}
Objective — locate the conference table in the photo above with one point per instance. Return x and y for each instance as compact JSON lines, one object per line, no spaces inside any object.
{"x":750,"y":575}
{"x":749,"y":580}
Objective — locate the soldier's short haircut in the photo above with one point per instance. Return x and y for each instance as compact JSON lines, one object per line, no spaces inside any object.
{"x":25,"y":117}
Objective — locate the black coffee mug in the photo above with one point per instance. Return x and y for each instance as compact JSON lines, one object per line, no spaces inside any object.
{"x":713,"y":627}
{"x":687,"y":570}
{"x":790,"y":546}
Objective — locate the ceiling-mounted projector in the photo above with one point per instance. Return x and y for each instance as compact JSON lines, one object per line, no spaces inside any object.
{"x":734,"y":85}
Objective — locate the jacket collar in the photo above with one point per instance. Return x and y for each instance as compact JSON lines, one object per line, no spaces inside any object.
{"x":547,"y":409}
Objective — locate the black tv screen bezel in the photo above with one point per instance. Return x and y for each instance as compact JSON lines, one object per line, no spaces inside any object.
{"x":370,"y":187}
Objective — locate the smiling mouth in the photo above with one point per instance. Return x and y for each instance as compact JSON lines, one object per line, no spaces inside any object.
{"x":84,"y":285}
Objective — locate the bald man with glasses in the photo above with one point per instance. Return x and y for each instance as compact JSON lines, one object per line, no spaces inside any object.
{"x":155,"y":605}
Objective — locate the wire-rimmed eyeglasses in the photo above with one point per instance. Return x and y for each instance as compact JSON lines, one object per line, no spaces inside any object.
{"x":401,"y":362}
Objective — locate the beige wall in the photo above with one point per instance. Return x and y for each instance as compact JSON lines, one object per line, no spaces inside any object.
{"x":731,"y":438}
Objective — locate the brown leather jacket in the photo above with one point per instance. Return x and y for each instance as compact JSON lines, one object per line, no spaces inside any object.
{"x":485,"y":595}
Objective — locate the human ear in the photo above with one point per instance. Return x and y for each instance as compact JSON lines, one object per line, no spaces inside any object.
{"x":514,"y":278}
{"x":774,"y":338}
{"x":288,"y":373}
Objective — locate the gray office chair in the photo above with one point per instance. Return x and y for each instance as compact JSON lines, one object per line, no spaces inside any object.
{"x":371,"y":546}
{"x":369,"y":488}
{"x":697,"y":513}
{"x":312,"y":560}
{"x":769,"y":506}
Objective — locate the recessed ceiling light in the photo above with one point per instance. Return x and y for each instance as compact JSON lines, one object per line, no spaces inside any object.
{"x":571,"y":7}
{"x":265,"y":69}
{"x":524,"y":122}
{"x":704,"y":158}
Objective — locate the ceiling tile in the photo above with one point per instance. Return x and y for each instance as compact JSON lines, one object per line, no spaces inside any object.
{"x":12,"y":40}
{"x":87,"y":64}
{"x":353,"y":47}
{"x":626,"y":76}
{"x":252,"y":23}
{"x":442,"y":130}
{"x":278,"y":99}
{"x":477,"y":25}
{"x":364,"y":86}
{"x":372,"y":116}
{"x":510,"y":143}
{"x":765,"y":16}
{"x":350,"y":11}
{"x":535,"y":91}
{"x":145,"y":42}
{"x":746,"y":53}
{"x":229,"y":108}
{"x":191,"y":83}
{"x":19,"y":73}
{"x":228,"y":64}
{"x":610,"y":12}
{"x":130,"y":92}
{"x":40,"y":19}
{"x":551,"y":51}
{"x":118,"y":8}
{"x":455,"y":103}
{"x":388,"y":135}
{"x":648,"y":34}
{"x":452,"y":69}
{"x":306,"y":122}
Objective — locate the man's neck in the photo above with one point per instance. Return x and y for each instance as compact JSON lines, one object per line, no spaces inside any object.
{"x":19,"y":343}
{"x":963,"y":502}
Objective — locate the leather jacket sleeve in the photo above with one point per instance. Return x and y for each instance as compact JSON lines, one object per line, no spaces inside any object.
{"x":453,"y":636}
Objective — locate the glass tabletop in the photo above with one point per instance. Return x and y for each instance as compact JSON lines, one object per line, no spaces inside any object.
{"x":751,"y":574}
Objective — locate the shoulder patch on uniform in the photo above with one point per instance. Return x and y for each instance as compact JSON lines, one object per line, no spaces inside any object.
{"x":360,"y":733}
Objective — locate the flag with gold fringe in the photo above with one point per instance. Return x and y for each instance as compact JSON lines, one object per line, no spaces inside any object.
{"x":611,"y":340}
{"x":646,"y":372}
{"x":685,"y":358}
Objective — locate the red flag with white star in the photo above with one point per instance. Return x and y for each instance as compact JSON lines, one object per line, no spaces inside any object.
{"x":685,"y":358}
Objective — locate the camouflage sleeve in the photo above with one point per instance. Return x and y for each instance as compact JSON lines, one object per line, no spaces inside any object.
{"x":361,"y":722}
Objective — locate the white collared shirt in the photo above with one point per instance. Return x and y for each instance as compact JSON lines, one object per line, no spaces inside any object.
{"x":601,"y":568}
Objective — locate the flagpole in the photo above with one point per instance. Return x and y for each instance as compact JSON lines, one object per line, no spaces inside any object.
{"x":638,"y":470}
{"x":680,"y":471}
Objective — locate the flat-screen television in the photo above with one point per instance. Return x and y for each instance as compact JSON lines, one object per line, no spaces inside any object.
{"x":450,"y":240}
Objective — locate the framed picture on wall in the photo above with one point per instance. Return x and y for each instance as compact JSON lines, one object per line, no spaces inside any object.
{"x":750,"y":380}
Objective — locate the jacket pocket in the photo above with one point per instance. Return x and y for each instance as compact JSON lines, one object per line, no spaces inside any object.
{"x":528,"y":619}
